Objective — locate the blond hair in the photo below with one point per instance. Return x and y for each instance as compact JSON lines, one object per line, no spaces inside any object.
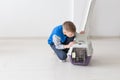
{"x":69,"y":26}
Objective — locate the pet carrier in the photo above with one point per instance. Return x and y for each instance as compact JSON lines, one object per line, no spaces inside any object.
{"x":81,"y":52}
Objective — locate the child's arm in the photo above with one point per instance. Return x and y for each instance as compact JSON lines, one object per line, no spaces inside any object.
{"x":57,"y":43}
{"x":69,"y":45}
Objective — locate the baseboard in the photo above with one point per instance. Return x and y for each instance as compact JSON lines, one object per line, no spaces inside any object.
{"x":32,"y":37}
{"x":103,"y":37}
{"x":45,"y":37}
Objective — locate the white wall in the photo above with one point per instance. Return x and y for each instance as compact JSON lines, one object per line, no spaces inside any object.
{"x":106,"y":18}
{"x":21,"y":18}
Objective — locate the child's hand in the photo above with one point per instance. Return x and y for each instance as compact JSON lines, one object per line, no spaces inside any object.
{"x":71,"y":43}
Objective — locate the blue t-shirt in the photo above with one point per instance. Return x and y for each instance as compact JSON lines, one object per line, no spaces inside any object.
{"x":58,"y":31}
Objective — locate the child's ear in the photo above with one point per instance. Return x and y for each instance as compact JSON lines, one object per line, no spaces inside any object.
{"x":64,"y":31}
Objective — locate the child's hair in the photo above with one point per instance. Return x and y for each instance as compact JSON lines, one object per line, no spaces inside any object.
{"x":69,"y":26}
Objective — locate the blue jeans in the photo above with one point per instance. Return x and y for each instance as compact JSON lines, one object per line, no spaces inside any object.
{"x":62,"y":53}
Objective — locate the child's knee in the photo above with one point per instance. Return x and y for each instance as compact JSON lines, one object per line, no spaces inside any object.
{"x":63,"y":57}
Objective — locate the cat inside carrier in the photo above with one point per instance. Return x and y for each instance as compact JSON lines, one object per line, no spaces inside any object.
{"x":79,"y":55}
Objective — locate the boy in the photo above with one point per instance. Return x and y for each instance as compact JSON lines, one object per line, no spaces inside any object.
{"x":61,"y":39}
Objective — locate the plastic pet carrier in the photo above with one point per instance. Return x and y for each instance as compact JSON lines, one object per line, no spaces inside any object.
{"x":81,"y":52}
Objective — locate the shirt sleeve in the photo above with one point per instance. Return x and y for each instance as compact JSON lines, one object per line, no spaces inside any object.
{"x":56,"y":40}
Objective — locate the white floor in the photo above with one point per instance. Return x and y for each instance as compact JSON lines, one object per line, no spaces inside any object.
{"x":33,"y":59}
